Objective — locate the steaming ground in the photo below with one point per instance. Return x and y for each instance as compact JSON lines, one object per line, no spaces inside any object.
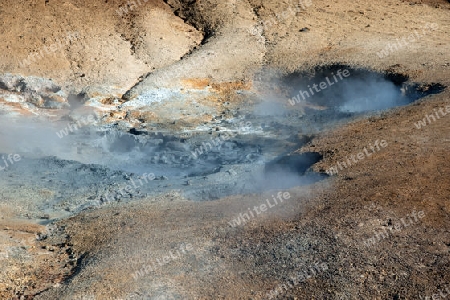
{"x":87,"y":165}
{"x":327,"y":222}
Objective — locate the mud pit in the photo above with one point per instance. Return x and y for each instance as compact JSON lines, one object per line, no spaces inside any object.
{"x":254,"y":151}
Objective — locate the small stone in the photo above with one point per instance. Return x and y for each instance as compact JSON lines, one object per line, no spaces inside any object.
{"x":232,"y":172}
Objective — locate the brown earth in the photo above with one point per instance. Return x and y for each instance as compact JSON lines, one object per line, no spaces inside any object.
{"x":327,"y":222}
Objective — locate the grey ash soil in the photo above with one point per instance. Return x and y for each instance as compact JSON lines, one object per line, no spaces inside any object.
{"x":253,"y":152}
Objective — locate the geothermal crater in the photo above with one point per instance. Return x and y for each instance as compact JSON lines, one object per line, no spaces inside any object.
{"x":252,"y":151}
{"x":165,"y":124}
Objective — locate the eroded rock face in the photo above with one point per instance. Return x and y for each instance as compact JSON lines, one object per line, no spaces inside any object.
{"x":106,"y":46}
{"x":27,"y":92}
{"x":114,"y":61}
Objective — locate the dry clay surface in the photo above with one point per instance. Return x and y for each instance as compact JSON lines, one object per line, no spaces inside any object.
{"x":325,"y":223}
{"x":97,"y":44}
